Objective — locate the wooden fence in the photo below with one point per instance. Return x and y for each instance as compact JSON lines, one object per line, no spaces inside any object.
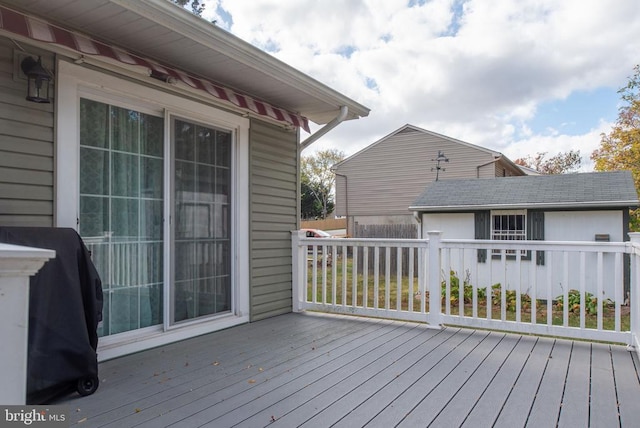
{"x":387,"y":231}
{"x":326,"y":224}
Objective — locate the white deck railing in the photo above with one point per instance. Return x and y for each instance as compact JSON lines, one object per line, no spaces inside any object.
{"x":583,"y":290}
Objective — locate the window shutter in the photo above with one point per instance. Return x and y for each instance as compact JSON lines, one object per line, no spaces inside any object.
{"x":535,"y":232}
{"x":482,"y":231}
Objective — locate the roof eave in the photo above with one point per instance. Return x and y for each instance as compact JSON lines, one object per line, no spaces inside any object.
{"x":549,"y":205}
{"x":177,"y":19}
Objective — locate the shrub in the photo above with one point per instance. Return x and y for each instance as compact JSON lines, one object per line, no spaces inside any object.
{"x":510,"y":298}
{"x":467,"y":288}
{"x":573,"y":301}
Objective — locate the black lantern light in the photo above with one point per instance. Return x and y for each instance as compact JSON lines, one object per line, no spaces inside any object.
{"x":39,"y":80}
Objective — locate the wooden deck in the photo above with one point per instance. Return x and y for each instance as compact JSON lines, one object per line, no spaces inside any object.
{"x":318,"y":371}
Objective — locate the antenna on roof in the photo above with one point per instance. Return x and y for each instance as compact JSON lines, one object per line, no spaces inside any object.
{"x":441,"y":158}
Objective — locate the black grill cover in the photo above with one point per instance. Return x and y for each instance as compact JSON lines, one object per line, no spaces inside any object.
{"x":65,"y":307}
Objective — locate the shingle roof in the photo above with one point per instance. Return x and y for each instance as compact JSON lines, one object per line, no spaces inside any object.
{"x":597,"y":189}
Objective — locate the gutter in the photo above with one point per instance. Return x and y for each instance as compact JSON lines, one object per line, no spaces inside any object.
{"x":344,"y":110}
{"x":549,"y":205}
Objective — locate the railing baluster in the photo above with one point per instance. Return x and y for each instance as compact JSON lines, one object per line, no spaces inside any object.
{"x":411,"y":290}
{"x":376,"y":277}
{"x":518,"y":286}
{"x":324,"y":274}
{"x":565,"y":280}
{"x":600,"y":294}
{"x":503,"y":286}
{"x":387,"y":279}
{"x":354,"y":283}
{"x":583,"y":287}
{"x":446,"y":262}
{"x":334,"y":273}
{"x":365,"y":277}
{"x":398,"y":278}
{"x":474,"y":281}
{"x":549,"y":296}
{"x":461,"y":283}
{"x":314,"y":260}
{"x":345,"y":272}
{"x":618,"y":283}
{"x":533,"y":277}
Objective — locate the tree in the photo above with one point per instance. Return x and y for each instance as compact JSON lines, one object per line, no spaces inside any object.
{"x":562,"y":163}
{"x":310,"y":207}
{"x":197,"y":6}
{"x":318,"y":180}
{"x":620,"y":148}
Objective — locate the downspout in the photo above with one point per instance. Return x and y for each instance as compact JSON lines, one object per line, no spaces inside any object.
{"x":328,"y":127}
{"x":346,"y":198}
{"x":495,"y":160}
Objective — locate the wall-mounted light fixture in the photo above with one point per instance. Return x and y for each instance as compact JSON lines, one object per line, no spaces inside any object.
{"x":38,"y":80}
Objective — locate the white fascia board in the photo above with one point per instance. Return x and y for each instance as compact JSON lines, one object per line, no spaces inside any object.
{"x":550,"y":205}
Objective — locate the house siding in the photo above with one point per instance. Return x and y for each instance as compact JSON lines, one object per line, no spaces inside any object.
{"x":26,"y":147}
{"x":273,"y":215}
{"x":385,"y":178}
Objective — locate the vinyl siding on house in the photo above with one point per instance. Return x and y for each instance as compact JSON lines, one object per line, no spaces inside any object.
{"x":386,"y":177}
{"x":26,"y":147}
{"x":273,"y":215}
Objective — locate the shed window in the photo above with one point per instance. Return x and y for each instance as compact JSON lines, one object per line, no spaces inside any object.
{"x":508,"y":226}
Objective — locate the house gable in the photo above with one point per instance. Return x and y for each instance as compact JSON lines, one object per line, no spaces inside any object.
{"x":383,"y":179}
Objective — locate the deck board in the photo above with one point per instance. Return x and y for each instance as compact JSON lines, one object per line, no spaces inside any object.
{"x":575,"y":403}
{"x":548,"y":399}
{"x":627,"y":387}
{"x":321,"y":370}
{"x":488,"y":407}
{"x":603,"y":408}
{"x":459,"y":406}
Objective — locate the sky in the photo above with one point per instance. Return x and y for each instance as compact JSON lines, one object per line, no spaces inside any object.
{"x":516,"y":76}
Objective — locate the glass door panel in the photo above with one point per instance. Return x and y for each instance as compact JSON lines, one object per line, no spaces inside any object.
{"x":121,"y":211}
{"x":201,"y":257}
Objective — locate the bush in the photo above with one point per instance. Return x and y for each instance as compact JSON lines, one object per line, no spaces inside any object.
{"x":467,"y":288}
{"x":573,"y":299}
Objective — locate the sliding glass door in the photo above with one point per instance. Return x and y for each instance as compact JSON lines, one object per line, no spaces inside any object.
{"x":121,"y":211}
{"x":122,"y":206}
{"x":201,"y":230}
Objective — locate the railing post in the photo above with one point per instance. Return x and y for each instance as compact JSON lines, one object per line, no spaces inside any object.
{"x":433,"y":278}
{"x":17,"y":264}
{"x":299,"y":260}
{"x":634,"y":291}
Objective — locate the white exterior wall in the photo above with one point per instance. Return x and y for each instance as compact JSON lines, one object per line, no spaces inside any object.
{"x":583,"y":225}
{"x":452,"y":225}
{"x":559,"y":226}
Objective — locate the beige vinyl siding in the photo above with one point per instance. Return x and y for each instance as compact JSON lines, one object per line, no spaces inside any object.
{"x":341,"y":208}
{"x":274,"y":211}
{"x":26,"y":147}
{"x":385,"y":178}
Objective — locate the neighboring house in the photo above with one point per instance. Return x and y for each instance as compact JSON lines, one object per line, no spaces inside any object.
{"x":171,"y":146}
{"x":376,"y":185}
{"x":565,"y":207}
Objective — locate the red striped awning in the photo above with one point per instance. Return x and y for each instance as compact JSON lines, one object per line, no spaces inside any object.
{"x":36,"y":29}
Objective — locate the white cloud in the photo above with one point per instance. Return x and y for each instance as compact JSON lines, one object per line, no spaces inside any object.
{"x":477,"y":70}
